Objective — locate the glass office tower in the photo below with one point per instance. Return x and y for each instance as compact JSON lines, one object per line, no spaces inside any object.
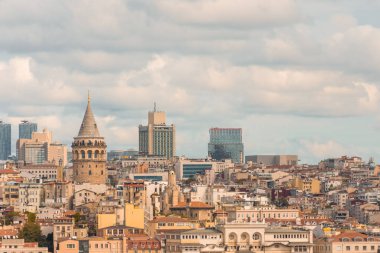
{"x":25,"y":129}
{"x":5,"y":140}
{"x":226,"y":143}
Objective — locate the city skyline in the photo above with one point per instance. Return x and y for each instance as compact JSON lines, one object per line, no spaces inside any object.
{"x":301,"y":79}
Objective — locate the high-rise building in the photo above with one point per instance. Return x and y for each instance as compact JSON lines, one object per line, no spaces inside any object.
{"x":157,"y":138}
{"x":89,"y":152}
{"x":5,"y":140}
{"x":25,"y":129}
{"x":40,"y":149}
{"x":226,"y":143}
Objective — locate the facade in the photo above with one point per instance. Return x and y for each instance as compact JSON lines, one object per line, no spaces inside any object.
{"x":40,"y":149}
{"x":273,"y":160}
{"x":89,"y":152}
{"x":258,"y":237}
{"x":31,"y":197}
{"x":42,"y":171}
{"x":226,"y":143}
{"x":157,"y":138}
{"x":5,"y":140}
{"x":253,"y":214}
{"x":25,"y":129}
{"x":346,"y":242}
{"x":189,"y":168}
{"x":19,"y":245}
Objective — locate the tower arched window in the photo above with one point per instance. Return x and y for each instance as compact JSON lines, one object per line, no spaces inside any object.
{"x":83,"y":154}
{"x":101,"y":172}
{"x":96,"y":154}
{"x":89,"y":172}
{"x":89,"y":154}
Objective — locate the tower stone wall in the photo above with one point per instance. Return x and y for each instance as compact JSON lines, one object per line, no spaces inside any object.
{"x":89,"y":152}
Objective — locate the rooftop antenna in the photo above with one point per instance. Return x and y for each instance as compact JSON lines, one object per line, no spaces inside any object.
{"x":88,"y":96}
{"x":155,"y":107}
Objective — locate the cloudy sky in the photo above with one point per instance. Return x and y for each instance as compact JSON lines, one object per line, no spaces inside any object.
{"x":300,"y":77}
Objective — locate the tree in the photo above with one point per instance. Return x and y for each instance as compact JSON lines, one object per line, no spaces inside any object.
{"x":31,"y":231}
{"x":76,"y":217}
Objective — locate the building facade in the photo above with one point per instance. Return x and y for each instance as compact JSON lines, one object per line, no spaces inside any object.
{"x":40,"y":149}
{"x":157,"y":138}
{"x":89,"y":152}
{"x":25,"y":129}
{"x":5,"y":140}
{"x":273,"y":160}
{"x":226,"y":143}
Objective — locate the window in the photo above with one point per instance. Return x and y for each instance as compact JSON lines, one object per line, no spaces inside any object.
{"x":364,"y":247}
{"x":356,"y":247}
{"x":71,"y":246}
{"x":348,"y":248}
{"x":372,"y":247}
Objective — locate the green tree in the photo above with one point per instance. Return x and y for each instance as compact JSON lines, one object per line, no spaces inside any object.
{"x":31,"y":231}
{"x":76,"y":217}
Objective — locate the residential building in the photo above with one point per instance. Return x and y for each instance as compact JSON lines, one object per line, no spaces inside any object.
{"x":193,"y":210}
{"x":5,"y":140}
{"x":89,"y":152}
{"x":31,"y":197}
{"x":157,"y":138}
{"x":25,"y":129}
{"x":226,"y":143}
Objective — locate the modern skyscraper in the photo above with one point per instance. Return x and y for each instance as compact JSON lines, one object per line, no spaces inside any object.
{"x":89,"y":152}
{"x":157,"y":138}
{"x":25,"y":129}
{"x":226,"y":143}
{"x":5,"y":140}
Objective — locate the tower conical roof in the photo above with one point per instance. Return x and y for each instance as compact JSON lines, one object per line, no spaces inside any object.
{"x":88,"y":127}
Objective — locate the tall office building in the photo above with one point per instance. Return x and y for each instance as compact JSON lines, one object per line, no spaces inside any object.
{"x":226,"y":143}
{"x":89,"y":152}
{"x":157,"y":138}
{"x":40,"y":149}
{"x":5,"y":140}
{"x":25,"y":129}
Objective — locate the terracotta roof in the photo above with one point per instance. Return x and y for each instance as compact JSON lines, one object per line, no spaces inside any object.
{"x":11,"y":232}
{"x":193,"y":204}
{"x":348,"y":234}
{"x":9,"y":171}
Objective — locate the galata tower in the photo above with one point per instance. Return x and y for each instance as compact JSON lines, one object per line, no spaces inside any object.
{"x":89,"y":152}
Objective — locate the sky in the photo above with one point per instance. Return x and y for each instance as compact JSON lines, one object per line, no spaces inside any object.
{"x":299,"y":77}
